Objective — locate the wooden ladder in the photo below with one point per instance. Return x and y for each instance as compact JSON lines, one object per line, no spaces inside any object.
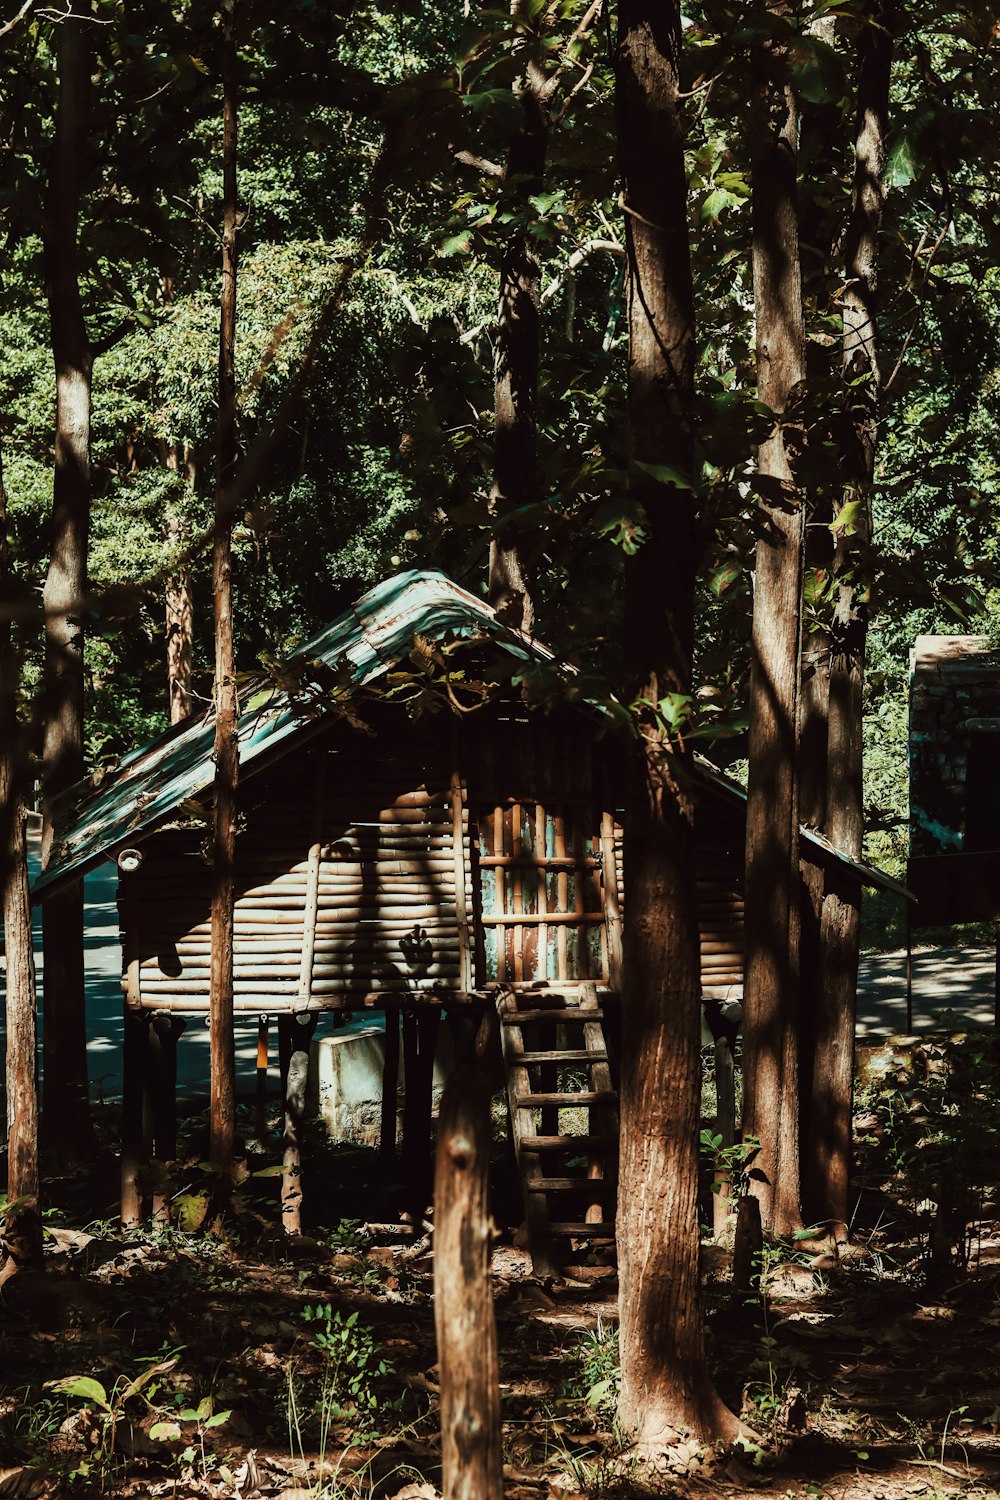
{"x":557,"y":1166}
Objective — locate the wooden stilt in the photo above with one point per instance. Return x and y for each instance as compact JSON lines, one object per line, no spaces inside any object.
{"x":298,"y":1031}
{"x":410,"y":1091}
{"x":161,"y":1042}
{"x":909,"y":971}
{"x":996,"y":972}
{"x":260,"y":1101}
{"x":132,"y":1158}
{"x":390,"y":1084}
{"x":420,"y":1106}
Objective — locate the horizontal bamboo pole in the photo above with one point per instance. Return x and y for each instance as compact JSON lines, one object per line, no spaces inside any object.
{"x":525,"y":862}
{"x":552,"y":918}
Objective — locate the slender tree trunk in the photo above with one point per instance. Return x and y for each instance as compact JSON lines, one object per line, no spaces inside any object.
{"x":770,"y":1027}
{"x":518,"y":341}
{"x":829,"y":1158}
{"x":179,"y":602}
{"x":21,"y":1061}
{"x":666,"y":1389}
{"x":223,"y":1047}
{"x":67,"y":1118}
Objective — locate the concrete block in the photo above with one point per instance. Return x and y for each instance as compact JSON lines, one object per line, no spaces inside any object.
{"x":345,"y":1082}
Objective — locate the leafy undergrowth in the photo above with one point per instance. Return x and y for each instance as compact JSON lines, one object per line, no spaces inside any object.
{"x":181,"y":1364}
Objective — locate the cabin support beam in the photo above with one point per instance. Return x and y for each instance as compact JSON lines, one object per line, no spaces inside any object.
{"x":420,"y":1037}
{"x":295,"y":1034}
{"x":162,"y":1033}
{"x":390,"y":1084}
{"x":133,"y":1157}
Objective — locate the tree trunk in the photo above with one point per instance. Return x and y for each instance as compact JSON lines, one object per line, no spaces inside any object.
{"x":224,"y":817}
{"x":771,"y":1001}
{"x":666,"y":1389}
{"x":833,"y":1089}
{"x":179,"y":603}
{"x":67,"y":1117}
{"x":518,"y":340}
{"x":464,"y":1321}
{"x":21,"y":1061}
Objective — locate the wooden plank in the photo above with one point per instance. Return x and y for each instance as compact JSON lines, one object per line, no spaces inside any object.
{"x":556,"y":1013}
{"x":604,"y":1119}
{"x":612,"y":905}
{"x":519,"y":918}
{"x":574,"y":1144}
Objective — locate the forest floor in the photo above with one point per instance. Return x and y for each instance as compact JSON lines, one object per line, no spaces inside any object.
{"x":184,"y":1365}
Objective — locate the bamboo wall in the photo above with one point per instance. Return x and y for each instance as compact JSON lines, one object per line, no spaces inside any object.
{"x":412,"y":864}
{"x":352,"y":873}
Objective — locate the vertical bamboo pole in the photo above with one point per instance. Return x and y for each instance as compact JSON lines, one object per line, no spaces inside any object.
{"x":464,"y":1320}
{"x":260,"y":1098}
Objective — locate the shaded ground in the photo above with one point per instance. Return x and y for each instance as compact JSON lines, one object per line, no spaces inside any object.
{"x":859,"y":1381}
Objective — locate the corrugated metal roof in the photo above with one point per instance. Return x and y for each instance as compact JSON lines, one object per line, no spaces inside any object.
{"x":151,"y":783}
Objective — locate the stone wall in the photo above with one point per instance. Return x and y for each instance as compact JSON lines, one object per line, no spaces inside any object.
{"x":954,"y":688}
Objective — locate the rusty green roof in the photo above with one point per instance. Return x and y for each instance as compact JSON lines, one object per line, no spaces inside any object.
{"x":151,"y":783}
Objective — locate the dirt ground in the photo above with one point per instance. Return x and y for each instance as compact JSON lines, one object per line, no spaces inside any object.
{"x":251,"y":1366}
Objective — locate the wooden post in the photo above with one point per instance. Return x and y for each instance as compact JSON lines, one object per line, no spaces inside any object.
{"x":161,"y":1042}
{"x":419,"y":1103}
{"x":390,"y":1084}
{"x":725,"y":1097}
{"x":299,"y":1031}
{"x":260,"y":1102}
{"x":909,"y":972}
{"x":996,"y":972}
{"x":471,"y":1458}
{"x":133,"y":1073}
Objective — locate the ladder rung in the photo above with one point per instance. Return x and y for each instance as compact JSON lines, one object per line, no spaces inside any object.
{"x":525,"y":1058}
{"x":564,"y":1013}
{"x":576,"y":1143}
{"x":597,"y":1096}
{"x":596,"y":1185}
{"x":592,"y":1231}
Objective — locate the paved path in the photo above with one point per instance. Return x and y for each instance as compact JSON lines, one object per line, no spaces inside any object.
{"x":960,"y":980}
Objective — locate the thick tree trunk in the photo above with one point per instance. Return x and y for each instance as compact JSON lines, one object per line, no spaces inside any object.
{"x":771,"y":1004}
{"x":518,"y":340}
{"x":224,"y":817}
{"x":833,"y":1088}
{"x":21,"y":1061}
{"x":666,"y":1389}
{"x":67,"y":1118}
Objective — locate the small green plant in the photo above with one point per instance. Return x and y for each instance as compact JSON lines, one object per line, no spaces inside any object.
{"x":109,"y":1406}
{"x":202,"y":1419}
{"x":599,"y":1379}
{"x":352,"y":1362}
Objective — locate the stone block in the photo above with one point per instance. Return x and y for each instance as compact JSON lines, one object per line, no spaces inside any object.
{"x":345,"y":1082}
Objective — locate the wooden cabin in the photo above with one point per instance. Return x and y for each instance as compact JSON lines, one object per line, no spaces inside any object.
{"x":403,"y":863}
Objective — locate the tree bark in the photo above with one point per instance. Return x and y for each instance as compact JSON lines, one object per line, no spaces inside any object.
{"x":21,"y":1060}
{"x":464,"y":1321}
{"x":224,"y":815}
{"x":666,"y":1389}
{"x":67,"y":1117}
{"x":771,"y":975}
{"x":179,"y":603}
{"x":829,"y":1158}
{"x":518,"y":341}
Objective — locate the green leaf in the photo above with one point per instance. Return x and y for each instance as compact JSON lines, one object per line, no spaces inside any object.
{"x":599,"y":1393}
{"x":84,"y":1387}
{"x":901,"y":165}
{"x":217,"y":1419}
{"x":274,"y":1171}
{"x":665,"y":474}
{"x":848,"y":517}
{"x":164,"y":1432}
{"x":455,"y":244}
{"x":192,"y":1209}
